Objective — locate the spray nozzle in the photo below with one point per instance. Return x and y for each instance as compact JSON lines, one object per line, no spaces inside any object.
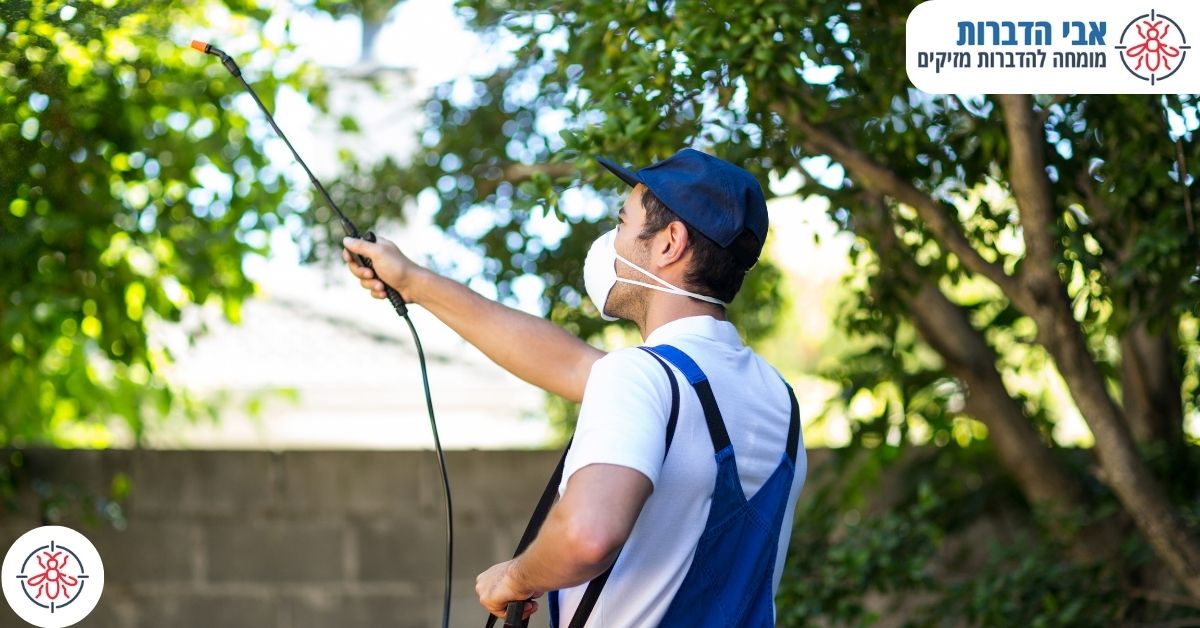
{"x":209,"y":49}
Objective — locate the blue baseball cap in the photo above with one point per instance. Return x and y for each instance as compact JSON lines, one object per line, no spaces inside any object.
{"x":713,"y":196}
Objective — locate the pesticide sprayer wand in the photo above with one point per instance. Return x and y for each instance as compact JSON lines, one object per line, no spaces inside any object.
{"x":392,"y":295}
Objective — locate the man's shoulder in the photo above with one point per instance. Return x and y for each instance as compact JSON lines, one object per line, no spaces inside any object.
{"x":721,"y":360}
{"x":625,"y":363}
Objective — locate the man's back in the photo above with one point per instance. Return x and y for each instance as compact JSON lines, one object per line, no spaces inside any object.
{"x":687,"y":234}
{"x":623,"y":421}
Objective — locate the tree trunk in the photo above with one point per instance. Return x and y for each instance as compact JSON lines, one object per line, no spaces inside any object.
{"x":1043,"y":479}
{"x":1150,"y":384}
{"x":1047,"y":303}
{"x":1045,"y":482}
{"x":1124,"y":470}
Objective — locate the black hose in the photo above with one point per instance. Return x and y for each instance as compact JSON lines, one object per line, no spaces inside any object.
{"x":441,"y":456}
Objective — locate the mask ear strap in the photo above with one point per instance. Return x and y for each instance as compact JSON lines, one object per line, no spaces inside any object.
{"x":675,"y":291}
{"x":669,"y":287}
{"x":646,"y":272}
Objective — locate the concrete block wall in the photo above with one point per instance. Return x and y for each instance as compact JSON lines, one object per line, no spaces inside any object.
{"x":296,"y":539}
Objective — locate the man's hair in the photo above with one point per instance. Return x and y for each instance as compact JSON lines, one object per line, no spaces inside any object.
{"x":714,"y":271}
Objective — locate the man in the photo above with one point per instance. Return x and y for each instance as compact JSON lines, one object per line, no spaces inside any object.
{"x":651,"y":488}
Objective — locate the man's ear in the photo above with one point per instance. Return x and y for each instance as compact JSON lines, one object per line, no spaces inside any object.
{"x":674,"y":244}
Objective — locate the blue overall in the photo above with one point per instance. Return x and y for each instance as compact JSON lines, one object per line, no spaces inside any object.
{"x":730,"y":579}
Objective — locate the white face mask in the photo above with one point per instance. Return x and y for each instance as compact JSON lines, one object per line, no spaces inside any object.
{"x":600,"y":275}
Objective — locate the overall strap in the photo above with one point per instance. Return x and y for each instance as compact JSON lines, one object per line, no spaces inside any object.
{"x":538,"y":517}
{"x":550,"y":494}
{"x":699,"y":381}
{"x":592,"y":593}
{"x":673,"y":417}
{"x":793,"y":437}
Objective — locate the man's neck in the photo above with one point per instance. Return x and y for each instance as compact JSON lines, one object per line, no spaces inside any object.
{"x":664,"y":308}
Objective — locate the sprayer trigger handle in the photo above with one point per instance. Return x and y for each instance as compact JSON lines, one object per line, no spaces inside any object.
{"x":513,"y":615}
{"x":393,"y":296}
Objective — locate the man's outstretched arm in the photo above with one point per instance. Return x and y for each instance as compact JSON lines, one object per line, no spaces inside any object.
{"x":529,"y":347}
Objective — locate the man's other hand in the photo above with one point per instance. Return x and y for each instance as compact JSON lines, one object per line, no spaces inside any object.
{"x":497,"y":587}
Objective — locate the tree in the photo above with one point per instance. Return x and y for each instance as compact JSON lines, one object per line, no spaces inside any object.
{"x":130,"y":188}
{"x":1062,"y":225}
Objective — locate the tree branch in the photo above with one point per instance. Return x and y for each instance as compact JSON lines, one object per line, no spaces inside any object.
{"x":1103,"y":217}
{"x":517,"y":173}
{"x":875,"y":177}
{"x":1182,"y":173}
{"x":1150,"y":383}
{"x":1048,"y":109}
{"x":946,"y":327}
{"x":1030,"y":185}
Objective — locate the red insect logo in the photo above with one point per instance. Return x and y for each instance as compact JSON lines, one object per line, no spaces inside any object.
{"x":1158,"y":53}
{"x":52,"y":576}
{"x":52,"y":583}
{"x":1153,"y":52}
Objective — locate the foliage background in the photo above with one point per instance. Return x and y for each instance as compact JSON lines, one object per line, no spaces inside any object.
{"x":132,"y":186}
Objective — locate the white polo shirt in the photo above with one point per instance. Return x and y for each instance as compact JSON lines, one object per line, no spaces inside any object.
{"x":623,"y":421}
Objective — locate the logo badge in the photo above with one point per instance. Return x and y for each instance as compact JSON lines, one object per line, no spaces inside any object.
{"x":52,"y":577}
{"x":1152,"y":47}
